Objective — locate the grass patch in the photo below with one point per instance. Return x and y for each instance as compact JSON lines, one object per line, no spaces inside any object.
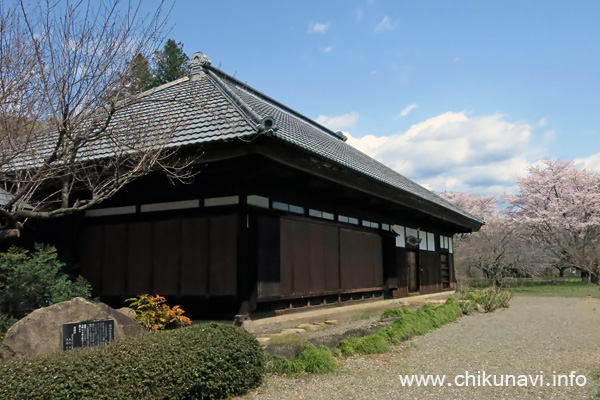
{"x":312,"y":360}
{"x":317,"y":361}
{"x":370,"y":344}
{"x":281,"y":366}
{"x":363,"y":316}
{"x":408,"y":324}
{"x":515,"y":282}
{"x":395,"y":313}
{"x":420,"y":322}
{"x":567,"y":289}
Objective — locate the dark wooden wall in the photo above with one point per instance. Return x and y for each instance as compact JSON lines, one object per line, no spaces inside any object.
{"x":176,"y":256}
{"x":299,"y":257}
{"x":303,"y":258}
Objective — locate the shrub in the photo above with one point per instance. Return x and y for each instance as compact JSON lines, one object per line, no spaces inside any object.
{"x":317,"y":360}
{"x":471,"y":296}
{"x":154,"y":314}
{"x":208,"y":361}
{"x":312,"y":360}
{"x":5,"y":323}
{"x":451,"y":300}
{"x":468,"y":306}
{"x":395,"y":312}
{"x":491,"y":299}
{"x":29,"y":281}
{"x":370,"y":344}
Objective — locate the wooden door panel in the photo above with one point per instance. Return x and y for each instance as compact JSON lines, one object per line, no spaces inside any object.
{"x":413,"y":270}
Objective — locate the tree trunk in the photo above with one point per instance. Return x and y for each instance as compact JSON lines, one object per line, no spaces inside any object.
{"x":585,"y":277}
{"x":561,"y":271}
{"x":594,"y":279}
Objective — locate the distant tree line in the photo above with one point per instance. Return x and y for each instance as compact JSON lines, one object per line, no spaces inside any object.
{"x":552,"y":222}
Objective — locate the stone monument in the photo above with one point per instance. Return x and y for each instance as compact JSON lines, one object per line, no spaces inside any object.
{"x":67,"y":325}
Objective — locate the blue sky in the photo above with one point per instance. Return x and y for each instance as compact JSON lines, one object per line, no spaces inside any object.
{"x":456,"y":95}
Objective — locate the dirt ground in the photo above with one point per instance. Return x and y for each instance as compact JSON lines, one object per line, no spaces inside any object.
{"x":535,"y":336}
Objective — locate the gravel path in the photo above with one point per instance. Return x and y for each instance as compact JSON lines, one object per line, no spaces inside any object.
{"x":535,"y":334}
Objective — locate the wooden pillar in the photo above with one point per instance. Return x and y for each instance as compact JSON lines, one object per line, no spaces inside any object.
{"x":247,"y":292}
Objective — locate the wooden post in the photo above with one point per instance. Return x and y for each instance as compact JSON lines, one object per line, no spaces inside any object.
{"x":247,"y":291}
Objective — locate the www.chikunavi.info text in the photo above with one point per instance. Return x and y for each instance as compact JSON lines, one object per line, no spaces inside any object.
{"x":483,"y":379}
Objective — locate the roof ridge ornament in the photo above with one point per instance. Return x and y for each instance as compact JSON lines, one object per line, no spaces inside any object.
{"x":267,"y":124}
{"x":197,"y":65}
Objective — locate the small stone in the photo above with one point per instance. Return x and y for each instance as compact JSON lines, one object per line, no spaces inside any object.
{"x":309,"y":327}
{"x":292,"y":331}
{"x":331,"y":322}
{"x":277,"y":335}
{"x":263,"y":340}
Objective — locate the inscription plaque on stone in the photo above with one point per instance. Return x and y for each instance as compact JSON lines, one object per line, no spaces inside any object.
{"x":88,"y":334}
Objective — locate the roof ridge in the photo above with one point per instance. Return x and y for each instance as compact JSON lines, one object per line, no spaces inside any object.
{"x":145,"y":93}
{"x":283,"y":107}
{"x":163,"y":86}
{"x":248,"y":112}
{"x":261,"y":123}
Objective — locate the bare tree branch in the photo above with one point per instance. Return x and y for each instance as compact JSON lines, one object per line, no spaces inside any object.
{"x":68,"y":138}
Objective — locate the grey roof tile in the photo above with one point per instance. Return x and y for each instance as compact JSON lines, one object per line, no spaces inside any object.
{"x":308,"y":135}
{"x":208,"y":109}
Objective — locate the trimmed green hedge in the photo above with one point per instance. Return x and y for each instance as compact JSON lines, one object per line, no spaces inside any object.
{"x":208,"y":361}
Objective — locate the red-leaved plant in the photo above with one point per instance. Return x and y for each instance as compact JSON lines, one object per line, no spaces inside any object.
{"x":152,"y":312}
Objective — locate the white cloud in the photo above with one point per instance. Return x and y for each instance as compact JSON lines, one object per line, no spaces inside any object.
{"x":407,"y":110}
{"x":338,"y":122}
{"x":359,"y":14}
{"x":369,"y":144}
{"x":386,"y":25}
{"x":590,"y":162}
{"x":327,"y":49}
{"x":318,"y":27}
{"x":457,"y":152}
{"x":542,"y":122}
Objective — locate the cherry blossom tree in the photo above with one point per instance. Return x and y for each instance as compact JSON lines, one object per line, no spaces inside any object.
{"x":559,"y":207}
{"x":496,"y":250}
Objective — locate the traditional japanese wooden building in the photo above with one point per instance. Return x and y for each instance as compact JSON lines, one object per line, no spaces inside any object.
{"x":283,"y":213}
